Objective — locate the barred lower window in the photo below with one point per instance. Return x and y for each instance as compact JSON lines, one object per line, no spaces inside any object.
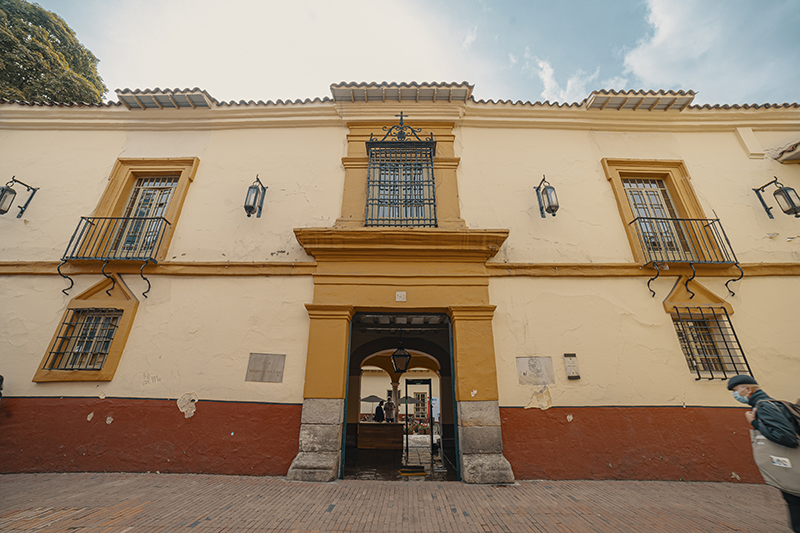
{"x":709,"y":342}
{"x":84,"y":339}
{"x":400,"y":184}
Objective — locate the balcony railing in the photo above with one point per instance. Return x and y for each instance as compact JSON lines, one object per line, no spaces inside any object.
{"x":116,"y":239}
{"x":684,"y":240}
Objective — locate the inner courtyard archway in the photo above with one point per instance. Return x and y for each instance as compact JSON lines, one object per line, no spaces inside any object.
{"x":416,"y":443}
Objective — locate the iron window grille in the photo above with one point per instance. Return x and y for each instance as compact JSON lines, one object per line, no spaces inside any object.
{"x":401,"y":190}
{"x":84,"y":339}
{"x":709,"y":342}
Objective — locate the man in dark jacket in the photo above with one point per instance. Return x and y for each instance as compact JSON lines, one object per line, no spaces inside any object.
{"x":773,"y":421}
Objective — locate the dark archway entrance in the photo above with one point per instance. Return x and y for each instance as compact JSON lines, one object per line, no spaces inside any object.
{"x":370,"y":447}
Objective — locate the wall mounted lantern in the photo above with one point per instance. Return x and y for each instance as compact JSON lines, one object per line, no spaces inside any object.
{"x":546,"y":194}
{"x":7,"y":195}
{"x":400,"y":358}
{"x":254,"y":201}
{"x":787,"y":198}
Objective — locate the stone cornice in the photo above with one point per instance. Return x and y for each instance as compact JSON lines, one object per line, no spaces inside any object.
{"x":392,"y":244}
{"x":330,"y":114}
{"x":578,"y":118}
{"x":120,"y":118}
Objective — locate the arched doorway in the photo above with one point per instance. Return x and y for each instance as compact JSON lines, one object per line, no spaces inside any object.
{"x":418,"y":443}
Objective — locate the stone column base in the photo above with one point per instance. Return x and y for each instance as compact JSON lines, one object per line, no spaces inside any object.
{"x":490,"y":468}
{"x":314,"y":466}
{"x":480,"y":443}
{"x":320,"y":441}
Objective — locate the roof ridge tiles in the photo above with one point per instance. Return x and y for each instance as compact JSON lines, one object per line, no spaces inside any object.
{"x":785,"y":105}
{"x":411,"y":84}
{"x":529,"y":103}
{"x":159,"y":90}
{"x":631,"y":92}
{"x":58,"y":104}
{"x":315,"y":100}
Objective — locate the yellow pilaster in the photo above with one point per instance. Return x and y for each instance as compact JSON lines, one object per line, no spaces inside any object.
{"x":326,"y":363}
{"x":473,"y":343}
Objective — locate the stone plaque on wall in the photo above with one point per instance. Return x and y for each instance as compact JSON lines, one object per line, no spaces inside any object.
{"x":265,"y":367}
{"x":535,"y":370}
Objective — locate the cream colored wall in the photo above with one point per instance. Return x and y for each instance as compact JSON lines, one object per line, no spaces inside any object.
{"x":627,"y":349}
{"x":192,"y":334}
{"x":71,"y":169}
{"x":303,"y":171}
{"x":300,"y":166}
{"x":379,"y":383}
{"x":500,"y":168}
{"x":496,"y":178}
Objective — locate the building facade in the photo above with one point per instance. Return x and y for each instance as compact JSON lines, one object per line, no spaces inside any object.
{"x":149,"y":323}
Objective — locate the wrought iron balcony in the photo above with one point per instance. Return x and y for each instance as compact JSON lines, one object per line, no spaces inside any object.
{"x":116,"y":239}
{"x":684,"y":240}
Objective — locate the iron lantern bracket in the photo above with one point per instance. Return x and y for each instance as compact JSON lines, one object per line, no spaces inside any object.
{"x":780,"y":187}
{"x":30,"y":189}
{"x":758,"y":192}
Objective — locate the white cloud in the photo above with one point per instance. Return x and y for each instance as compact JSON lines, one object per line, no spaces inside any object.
{"x":727,"y":50}
{"x":512,"y":59}
{"x":579,"y":85}
{"x":616,"y":82}
{"x":276,"y":49}
{"x":472,"y":34}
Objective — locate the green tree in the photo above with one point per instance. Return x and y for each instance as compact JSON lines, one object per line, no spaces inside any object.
{"x":41,"y":60}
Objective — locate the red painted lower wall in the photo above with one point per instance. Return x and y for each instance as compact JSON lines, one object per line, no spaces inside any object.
{"x":123,"y":435}
{"x":654,"y":443}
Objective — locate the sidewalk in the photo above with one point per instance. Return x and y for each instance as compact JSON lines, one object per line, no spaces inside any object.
{"x":147,"y":503}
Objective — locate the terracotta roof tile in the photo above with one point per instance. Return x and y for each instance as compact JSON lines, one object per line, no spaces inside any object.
{"x":58,"y":104}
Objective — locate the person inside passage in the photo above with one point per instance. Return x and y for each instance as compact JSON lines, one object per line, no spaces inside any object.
{"x":379,"y":412}
{"x":773,"y":421}
{"x":391,"y":410}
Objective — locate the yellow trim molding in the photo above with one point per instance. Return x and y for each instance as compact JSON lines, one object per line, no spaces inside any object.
{"x":495,"y":270}
{"x":679,"y":296}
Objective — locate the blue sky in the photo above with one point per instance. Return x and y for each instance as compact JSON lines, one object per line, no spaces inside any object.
{"x":729,"y":51}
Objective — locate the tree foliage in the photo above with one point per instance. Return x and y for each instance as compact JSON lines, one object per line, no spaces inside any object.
{"x":41,"y":60}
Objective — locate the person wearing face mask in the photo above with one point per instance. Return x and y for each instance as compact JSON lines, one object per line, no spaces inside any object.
{"x":774,"y":422}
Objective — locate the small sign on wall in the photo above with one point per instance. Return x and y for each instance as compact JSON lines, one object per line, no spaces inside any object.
{"x":535,"y":370}
{"x":571,"y":365}
{"x":265,"y":367}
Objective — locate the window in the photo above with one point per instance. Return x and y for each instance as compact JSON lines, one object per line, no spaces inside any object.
{"x":651,"y":203}
{"x":662,"y":215}
{"x":83,"y":339}
{"x":709,"y":342}
{"x":400,"y":184}
{"x":91,"y":335}
{"x":136,"y":216}
{"x":142,"y":221}
{"x":421,"y":408}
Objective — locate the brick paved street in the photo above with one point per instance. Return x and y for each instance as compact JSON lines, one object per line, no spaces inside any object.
{"x":146,"y":503}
